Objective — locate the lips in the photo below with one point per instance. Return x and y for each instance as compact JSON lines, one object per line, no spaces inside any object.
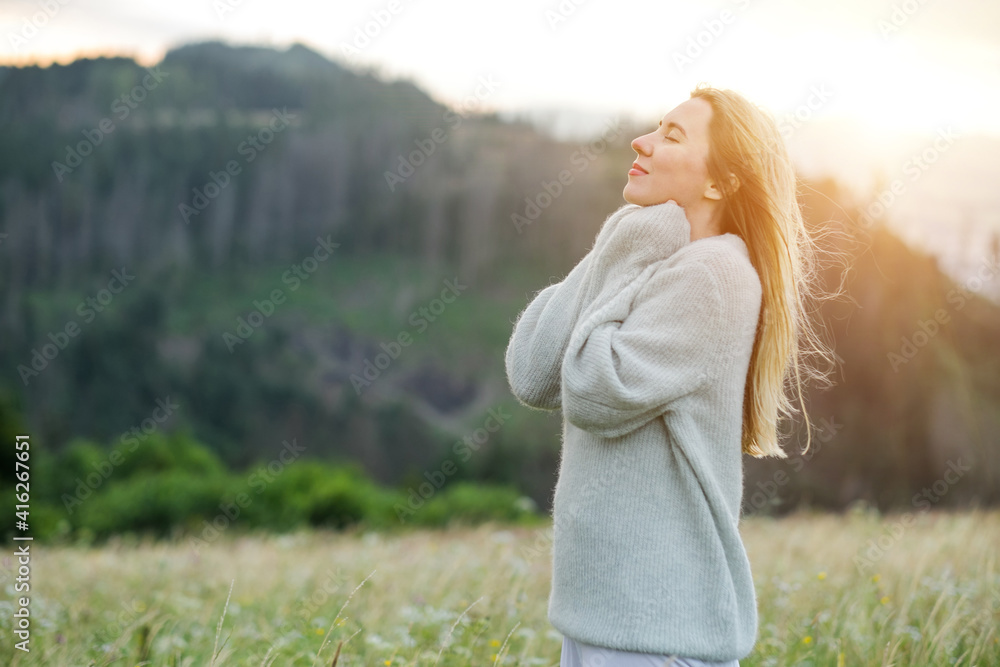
{"x":636,"y":170}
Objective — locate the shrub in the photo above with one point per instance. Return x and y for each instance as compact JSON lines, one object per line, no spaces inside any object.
{"x":154,"y":503}
{"x":334,"y":496}
{"x":468,"y":502}
{"x":62,"y":474}
{"x":162,"y":452}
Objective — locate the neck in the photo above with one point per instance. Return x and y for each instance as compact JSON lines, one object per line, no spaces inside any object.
{"x":705,"y":217}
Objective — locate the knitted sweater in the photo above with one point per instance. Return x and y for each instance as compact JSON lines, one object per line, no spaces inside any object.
{"x":645,"y":346}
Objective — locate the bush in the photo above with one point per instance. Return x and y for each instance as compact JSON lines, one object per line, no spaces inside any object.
{"x":172,"y":483}
{"x":338,"y":502}
{"x":154,"y":503}
{"x":48,"y":522}
{"x":163,"y":452}
{"x":325,"y":495}
{"x":467,"y":502}
{"x":57,"y":475}
{"x":85,"y":468}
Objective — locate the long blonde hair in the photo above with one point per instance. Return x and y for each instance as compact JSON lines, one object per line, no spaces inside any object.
{"x":762,"y":208}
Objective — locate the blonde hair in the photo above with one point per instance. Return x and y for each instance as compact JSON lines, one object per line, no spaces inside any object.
{"x":761,"y":207}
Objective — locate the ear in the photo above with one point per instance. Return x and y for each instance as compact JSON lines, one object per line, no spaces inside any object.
{"x":713,"y":192}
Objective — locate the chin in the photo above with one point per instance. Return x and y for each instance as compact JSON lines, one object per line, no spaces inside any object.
{"x":631,"y":197}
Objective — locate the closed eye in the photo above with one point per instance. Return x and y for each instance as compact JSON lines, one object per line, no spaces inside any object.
{"x":670,"y":127}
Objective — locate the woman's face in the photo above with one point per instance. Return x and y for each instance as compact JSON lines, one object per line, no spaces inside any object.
{"x":672,"y":160}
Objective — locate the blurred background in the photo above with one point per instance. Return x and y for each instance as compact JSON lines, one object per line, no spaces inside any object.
{"x":276,"y":249}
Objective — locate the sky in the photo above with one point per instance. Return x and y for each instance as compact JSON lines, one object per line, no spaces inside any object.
{"x":892,"y":65}
{"x":857,"y":85}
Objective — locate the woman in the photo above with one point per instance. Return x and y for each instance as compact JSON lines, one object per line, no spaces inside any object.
{"x":667,"y":348}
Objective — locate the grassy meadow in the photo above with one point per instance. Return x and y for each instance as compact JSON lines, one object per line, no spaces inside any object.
{"x":857,"y":589}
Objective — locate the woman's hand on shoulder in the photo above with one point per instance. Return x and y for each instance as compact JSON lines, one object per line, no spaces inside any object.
{"x":645,"y":234}
{"x":633,"y":238}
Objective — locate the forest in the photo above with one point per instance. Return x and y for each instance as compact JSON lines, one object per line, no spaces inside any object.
{"x":239,"y":248}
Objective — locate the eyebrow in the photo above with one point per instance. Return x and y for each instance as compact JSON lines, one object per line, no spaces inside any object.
{"x":673,"y":124}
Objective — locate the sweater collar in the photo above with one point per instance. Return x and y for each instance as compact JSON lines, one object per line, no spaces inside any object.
{"x":732,"y":239}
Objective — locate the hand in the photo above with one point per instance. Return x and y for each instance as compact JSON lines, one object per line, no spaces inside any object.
{"x":608,"y":228}
{"x":643,"y":235}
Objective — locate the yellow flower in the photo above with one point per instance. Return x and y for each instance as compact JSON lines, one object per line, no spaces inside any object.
{"x":876,"y":577}
{"x":387,"y":663}
{"x":341,"y":622}
{"x":840,"y":660}
{"x":494,"y":643}
{"x":885,"y":599}
{"x":821,"y":576}
{"x":494,"y":657}
{"x":807,"y":640}
{"x":319,"y":631}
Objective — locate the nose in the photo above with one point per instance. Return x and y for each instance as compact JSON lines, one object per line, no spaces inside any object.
{"x":640,"y":145}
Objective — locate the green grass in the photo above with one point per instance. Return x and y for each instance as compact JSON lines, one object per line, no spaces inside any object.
{"x":477,"y":596}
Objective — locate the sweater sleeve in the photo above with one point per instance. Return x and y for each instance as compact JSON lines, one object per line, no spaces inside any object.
{"x":631,"y":357}
{"x":533,"y":358}
{"x":632,"y":238}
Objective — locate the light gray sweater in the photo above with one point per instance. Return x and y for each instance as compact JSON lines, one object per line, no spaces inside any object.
{"x":645,"y":346}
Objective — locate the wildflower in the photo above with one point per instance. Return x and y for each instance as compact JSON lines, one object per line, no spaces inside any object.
{"x":319,"y":631}
{"x":821,"y":576}
{"x":876,"y":577}
{"x":387,"y":663}
{"x":494,"y":643}
{"x":807,"y":640}
{"x":885,"y":599}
